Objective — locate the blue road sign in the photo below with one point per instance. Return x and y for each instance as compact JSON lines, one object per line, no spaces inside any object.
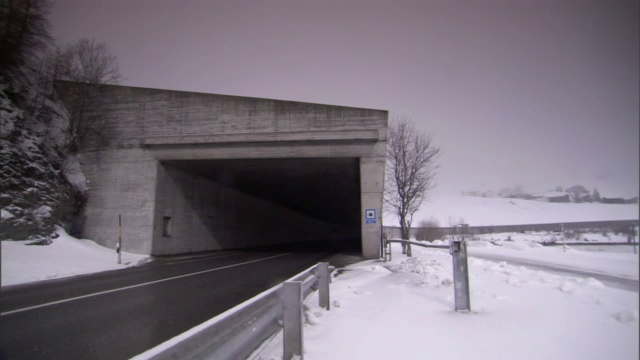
{"x":370,"y":216}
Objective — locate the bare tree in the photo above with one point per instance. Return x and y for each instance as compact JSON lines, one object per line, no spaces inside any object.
{"x":24,"y":31}
{"x":410,"y":174}
{"x":92,"y":64}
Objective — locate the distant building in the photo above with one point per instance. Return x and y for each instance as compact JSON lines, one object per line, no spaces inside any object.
{"x":579,"y":194}
{"x":560,"y":199}
{"x":614,"y":201}
{"x":490,"y":193}
{"x":554,"y":196}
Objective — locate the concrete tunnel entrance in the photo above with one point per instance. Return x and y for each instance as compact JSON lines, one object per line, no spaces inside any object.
{"x":191,"y":172}
{"x":242,"y":203}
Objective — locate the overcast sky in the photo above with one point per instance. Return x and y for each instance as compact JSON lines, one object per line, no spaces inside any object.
{"x":533,"y":93}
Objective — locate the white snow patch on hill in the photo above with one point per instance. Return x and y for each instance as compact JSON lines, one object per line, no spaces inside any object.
{"x":479,"y":211}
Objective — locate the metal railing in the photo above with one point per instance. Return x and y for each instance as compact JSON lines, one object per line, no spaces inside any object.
{"x":587,"y":243}
{"x":458,"y":250}
{"x":597,"y":226}
{"x":387,"y":246}
{"x":237,"y":332}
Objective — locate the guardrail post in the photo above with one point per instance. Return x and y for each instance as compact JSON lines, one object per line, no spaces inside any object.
{"x":387,"y":251}
{"x":631,"y":237}
{"x":323,"y":285}
{"x":458,"y":250}
{"x":292,"y":314}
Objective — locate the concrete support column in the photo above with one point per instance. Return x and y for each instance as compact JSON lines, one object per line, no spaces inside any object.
{"x":122,"y":184}
{"x":371,"y":192}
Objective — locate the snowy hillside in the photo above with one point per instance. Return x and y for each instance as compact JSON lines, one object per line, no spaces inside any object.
{"x":478,"y":211}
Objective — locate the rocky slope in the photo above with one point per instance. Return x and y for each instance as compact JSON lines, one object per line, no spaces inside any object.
{"x":38,"y":186}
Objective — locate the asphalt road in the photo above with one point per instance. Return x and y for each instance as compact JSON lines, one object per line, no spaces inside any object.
{"x":609,"y":280}
{"x":119,"y":314}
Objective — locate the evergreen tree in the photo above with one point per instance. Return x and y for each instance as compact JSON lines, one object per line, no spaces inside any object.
{"x":596,"y":195}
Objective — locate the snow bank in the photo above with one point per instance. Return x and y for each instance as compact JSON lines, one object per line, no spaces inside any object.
{"x":73,"y":173}
{"x":404,"y":310}
{"x":65,"y":256}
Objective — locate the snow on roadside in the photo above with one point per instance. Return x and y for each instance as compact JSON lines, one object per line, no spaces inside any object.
{"x":404,"y":310}
{"x":594,"y":259}
{"x":65,"y":256}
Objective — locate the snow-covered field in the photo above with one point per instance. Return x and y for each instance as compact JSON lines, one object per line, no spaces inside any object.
{"x":404,"y":310}
{"x":611,"y":260}
{"x":65,"y":256}
{"x":479,"y":211}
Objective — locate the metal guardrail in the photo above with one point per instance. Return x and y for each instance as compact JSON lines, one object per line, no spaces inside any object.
{"x":237,"y":332}
{"x":392,"y":231}
{"x":387,"y":249}
{"x":419,"y":244}
{"x":458,"y":251}
{"x":586,"y":243}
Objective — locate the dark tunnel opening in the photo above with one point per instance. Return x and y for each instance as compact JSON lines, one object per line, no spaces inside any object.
{"x":323,"y":193}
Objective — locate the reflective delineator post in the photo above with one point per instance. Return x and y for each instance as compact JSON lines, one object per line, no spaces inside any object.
{"x":632,"y":238}
{"x":323,"y":285}
{"x":564,"y":239}
{"x":119,"y":248}
{"x":458,"y":250}
{"x":292,"y":314}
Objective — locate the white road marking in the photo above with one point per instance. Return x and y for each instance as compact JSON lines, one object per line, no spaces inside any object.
{"x":137,"y":285}
{"x":188,"y":260}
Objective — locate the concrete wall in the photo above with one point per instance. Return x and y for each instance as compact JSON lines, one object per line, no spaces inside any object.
{"x":208,"y":216}
{"x":140,"y":127}
{"x":135,"y":114}
{"x":121,"y":183}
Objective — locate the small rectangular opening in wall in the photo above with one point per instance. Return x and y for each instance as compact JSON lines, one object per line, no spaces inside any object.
{"x":167,"y":226}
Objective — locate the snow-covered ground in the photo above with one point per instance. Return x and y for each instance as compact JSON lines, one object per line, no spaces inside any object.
{"x":479,"y":211}
{"x":612,"y":260}
{"x":65,"y":256}
{"x":404,"y":309}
